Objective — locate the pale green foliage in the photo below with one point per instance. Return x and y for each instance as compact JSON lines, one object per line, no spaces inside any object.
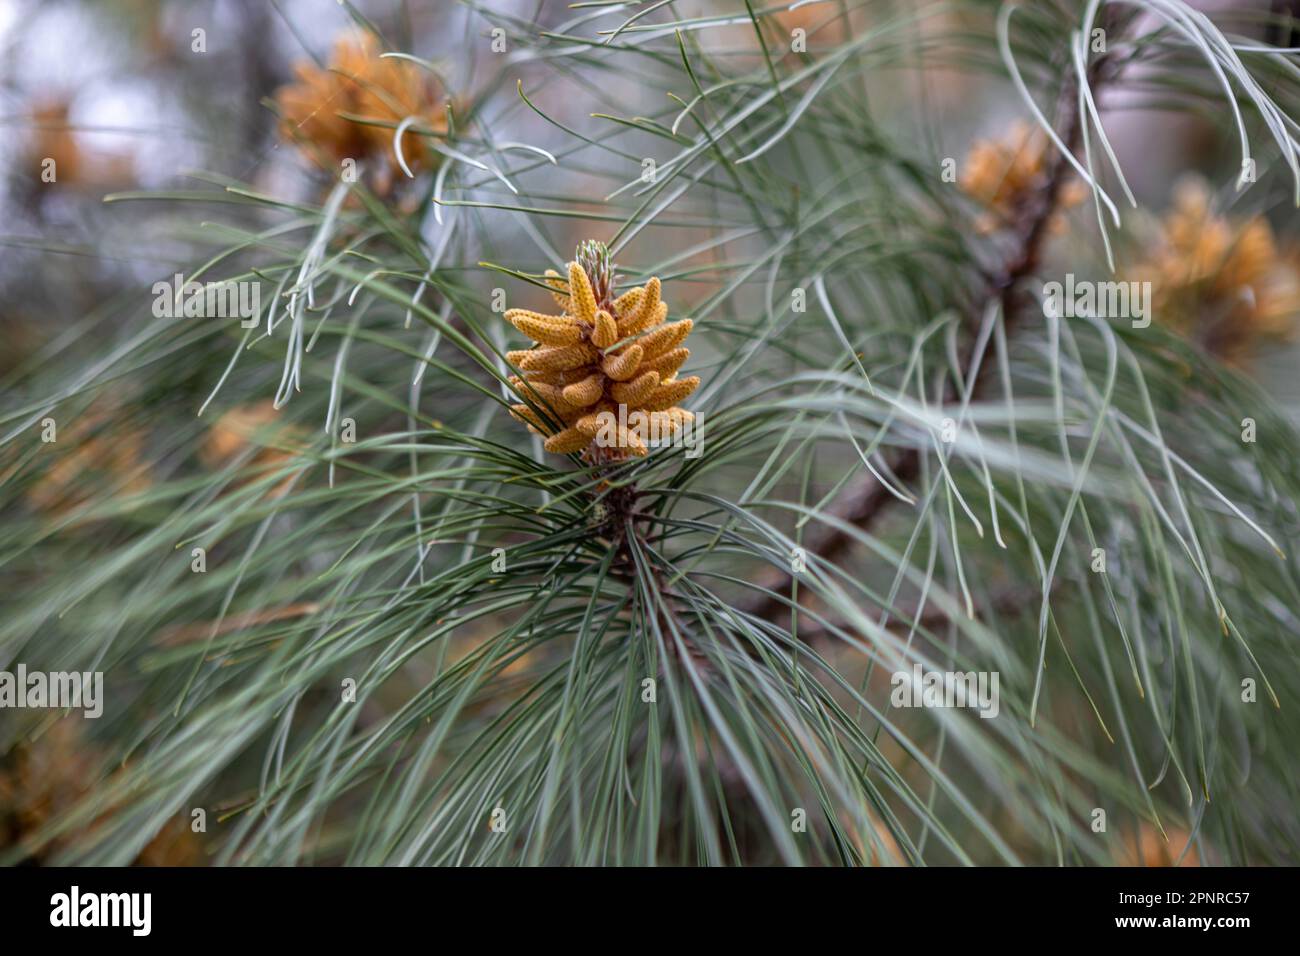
{"x":522,"y":689}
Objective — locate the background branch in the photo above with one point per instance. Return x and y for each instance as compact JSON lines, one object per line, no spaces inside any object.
{"x":866,"y":502}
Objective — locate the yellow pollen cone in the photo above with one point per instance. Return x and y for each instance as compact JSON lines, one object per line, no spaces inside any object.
{"x":584,"y":393}
{"x":559,"y":291}
{"x":665,"y":338}
{"x":623,"y":366}
{"x":546,"y":329}
{"x":526,"y":415}
{"x":567,"y":442}
{"x":583,"y":298}
{"x":605,"y":333}
{"x":670,"y":393}
{"x":627,"y":303}
{"x":634,"y":392}
{"x":668,"y":363}
{"x":643,"y":319}
{"x":572,"y":378}
{"x":555,"y":359}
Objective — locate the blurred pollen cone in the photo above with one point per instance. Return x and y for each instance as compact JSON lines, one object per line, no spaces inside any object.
{"x":350,"y":109}
{"x":255,"y":425}
{"x":1006,"y":174}
{"x":1147,"y":847}
{"x":50,"y":774}
{"x":1223,"y":283}
{"x":54,"y":139}
{"x":94,"y":460}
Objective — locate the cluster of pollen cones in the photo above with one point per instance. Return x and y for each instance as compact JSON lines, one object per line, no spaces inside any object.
{"x":599,"y":354}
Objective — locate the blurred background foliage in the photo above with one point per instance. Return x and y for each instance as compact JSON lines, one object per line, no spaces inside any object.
{"x":848,"y":297}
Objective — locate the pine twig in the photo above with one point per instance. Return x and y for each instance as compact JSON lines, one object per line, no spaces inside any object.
{"x":869,"y":499}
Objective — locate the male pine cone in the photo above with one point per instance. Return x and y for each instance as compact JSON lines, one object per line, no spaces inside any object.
{"x":601,"y":353}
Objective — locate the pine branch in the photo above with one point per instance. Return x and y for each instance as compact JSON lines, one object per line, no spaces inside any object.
{"x":865,"y":503}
